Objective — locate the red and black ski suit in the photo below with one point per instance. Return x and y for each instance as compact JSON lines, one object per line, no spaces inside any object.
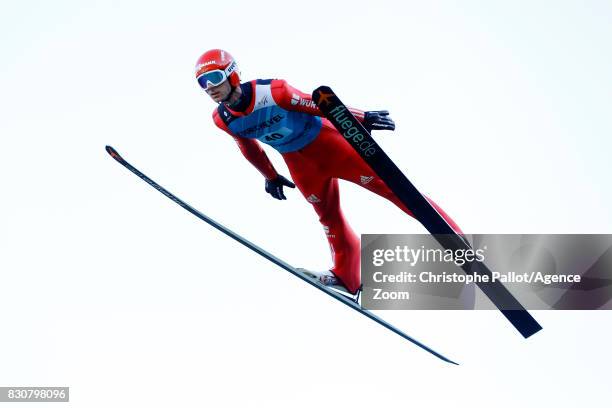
{"x":277,"y":114}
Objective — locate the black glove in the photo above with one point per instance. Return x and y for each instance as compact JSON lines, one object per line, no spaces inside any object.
{"x":275,"y":187}
{"x":378,"y":120}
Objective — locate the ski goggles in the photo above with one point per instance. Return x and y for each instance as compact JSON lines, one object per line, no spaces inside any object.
{"x":216,"y":77}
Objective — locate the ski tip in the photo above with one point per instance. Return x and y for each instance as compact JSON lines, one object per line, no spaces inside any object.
{"x":112,"y":152}
{"x":443,"y":358}
{"x":323,"y":88}
{"x":322,"y":94}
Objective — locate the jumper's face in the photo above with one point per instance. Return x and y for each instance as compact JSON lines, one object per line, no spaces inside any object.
{"x":220,"y":92}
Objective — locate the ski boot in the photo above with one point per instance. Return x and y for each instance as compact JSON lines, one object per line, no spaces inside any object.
{"x":327,"y":278}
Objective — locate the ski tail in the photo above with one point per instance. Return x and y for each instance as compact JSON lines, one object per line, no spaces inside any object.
{"x":363,"y":143}
{"x":277,"y":261}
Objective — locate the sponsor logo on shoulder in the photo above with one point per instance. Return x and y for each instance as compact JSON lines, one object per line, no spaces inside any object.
{"x":309,"y":103}
{"x":295,"y":99}
{"x":298,"y":100}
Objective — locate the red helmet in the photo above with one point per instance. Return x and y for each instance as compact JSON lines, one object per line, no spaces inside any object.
{"x":216,"y":66}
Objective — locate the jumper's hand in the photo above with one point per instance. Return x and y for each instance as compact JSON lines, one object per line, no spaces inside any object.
{"x":275,"y":187}
{"x":378,"y":120}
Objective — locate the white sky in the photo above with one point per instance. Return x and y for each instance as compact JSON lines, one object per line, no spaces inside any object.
{"x":503,"y":117}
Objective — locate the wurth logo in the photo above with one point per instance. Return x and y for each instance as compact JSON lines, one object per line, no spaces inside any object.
{"x":309,"y":103}
{"x":295,"y":99}
{"x":313,"y":199}
{"x":366,"y":179}
{"x":298,"y":100}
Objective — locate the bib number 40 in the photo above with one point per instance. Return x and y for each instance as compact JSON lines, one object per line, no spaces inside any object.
{"x":273,"y":136}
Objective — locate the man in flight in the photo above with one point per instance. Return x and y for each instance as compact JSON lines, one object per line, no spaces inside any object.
{"x":273,"y":112}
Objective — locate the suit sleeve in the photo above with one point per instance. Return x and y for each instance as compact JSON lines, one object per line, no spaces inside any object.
{"x":289,"y":98}
{"x":250,"y":149}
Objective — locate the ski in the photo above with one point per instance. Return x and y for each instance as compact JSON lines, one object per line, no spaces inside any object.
{"x":361,"y":140}
{"x":277,"y":261}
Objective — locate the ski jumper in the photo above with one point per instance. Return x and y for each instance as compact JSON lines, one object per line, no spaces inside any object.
{"x":273,"y":112}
